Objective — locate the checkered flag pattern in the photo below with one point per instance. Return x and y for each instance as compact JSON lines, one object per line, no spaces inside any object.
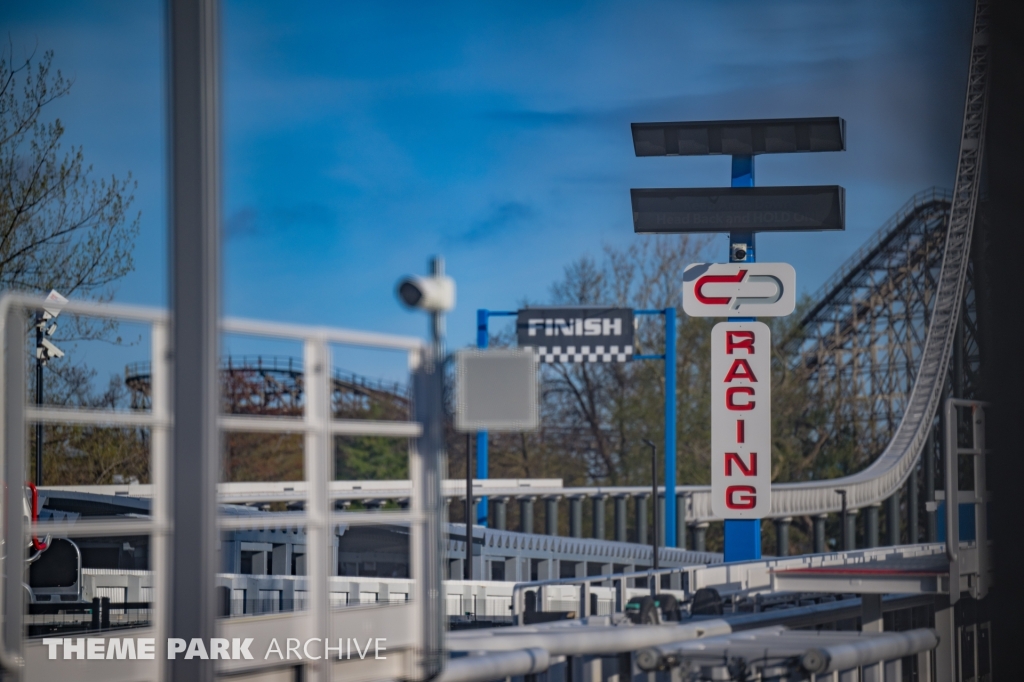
{"x":582,"y":353}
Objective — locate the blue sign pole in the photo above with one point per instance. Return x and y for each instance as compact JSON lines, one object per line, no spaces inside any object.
{"x":482,"y":317}
{"x":671,"y":539}
{"x":481,"y":436}
{"x":742,"y":536}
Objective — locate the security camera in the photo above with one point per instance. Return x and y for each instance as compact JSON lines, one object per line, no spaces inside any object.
{"x":738,"y":251}
{"x":47,"y":350}
{"x":436,"y":294}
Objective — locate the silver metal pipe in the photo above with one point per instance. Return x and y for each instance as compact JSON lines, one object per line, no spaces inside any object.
{"x":13,"y":387}
{"x":495,"y":666}
{"x":581,"y":640}
{"x":669,"y":654}
{"x":868,"y":649}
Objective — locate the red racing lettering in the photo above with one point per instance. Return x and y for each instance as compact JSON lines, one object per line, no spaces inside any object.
{"x":741,"y":432}
{"x":747,"y":497}
{"x":731,"y":457}
{"x":745,"y":341}
{"x":744,"y":390}
{"x":740,"y":370}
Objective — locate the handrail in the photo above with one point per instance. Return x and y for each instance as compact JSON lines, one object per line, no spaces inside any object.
{"x":317,"y":423}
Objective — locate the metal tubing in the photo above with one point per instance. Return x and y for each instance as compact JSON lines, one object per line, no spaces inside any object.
{"x":869,"y":650}
{"x":195,"y":216}
{"x":319,"y":450}
{"x":821,"y":614}
{"x":14,"y":474}
{"x":577,"y":640}
{"x":160,"y":466}
{"x":496,"y":665}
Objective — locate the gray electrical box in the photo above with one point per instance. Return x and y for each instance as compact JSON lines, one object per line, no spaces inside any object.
{"x":496,"y":390}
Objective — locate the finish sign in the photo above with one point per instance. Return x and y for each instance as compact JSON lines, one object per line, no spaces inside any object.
{"x":577,"y":334}
{"x":741,"y":420}
{"x":739,"y":289}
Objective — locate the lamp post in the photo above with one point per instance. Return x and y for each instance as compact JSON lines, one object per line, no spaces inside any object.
{"x":654,"y":503}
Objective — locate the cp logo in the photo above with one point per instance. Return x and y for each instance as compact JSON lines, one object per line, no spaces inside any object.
{"x":738,"y":278}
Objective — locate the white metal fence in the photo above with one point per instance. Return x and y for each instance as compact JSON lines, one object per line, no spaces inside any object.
{"x":317,"y":424}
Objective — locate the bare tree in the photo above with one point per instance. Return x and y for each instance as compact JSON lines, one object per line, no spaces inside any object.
{"x":60,"y":227}
{"x":63,"y":228}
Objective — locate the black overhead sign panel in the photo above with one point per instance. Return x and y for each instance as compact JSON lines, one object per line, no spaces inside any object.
{"x":732,"y":209}
{"x":741,"y":138}
{"x":577,"y":334}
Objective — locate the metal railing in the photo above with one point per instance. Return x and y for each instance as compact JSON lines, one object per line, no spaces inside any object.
{"x":316,"y":423}
{"x":620,"y":582}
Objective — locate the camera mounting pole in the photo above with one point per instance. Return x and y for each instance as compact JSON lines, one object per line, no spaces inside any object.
{"x":45,"y":351}
{"x":40,"y":326}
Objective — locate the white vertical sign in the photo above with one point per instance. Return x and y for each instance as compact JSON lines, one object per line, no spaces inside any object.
{"x":741,"y":420}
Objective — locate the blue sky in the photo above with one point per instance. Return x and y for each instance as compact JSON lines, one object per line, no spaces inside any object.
{"x":360,"y":138}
